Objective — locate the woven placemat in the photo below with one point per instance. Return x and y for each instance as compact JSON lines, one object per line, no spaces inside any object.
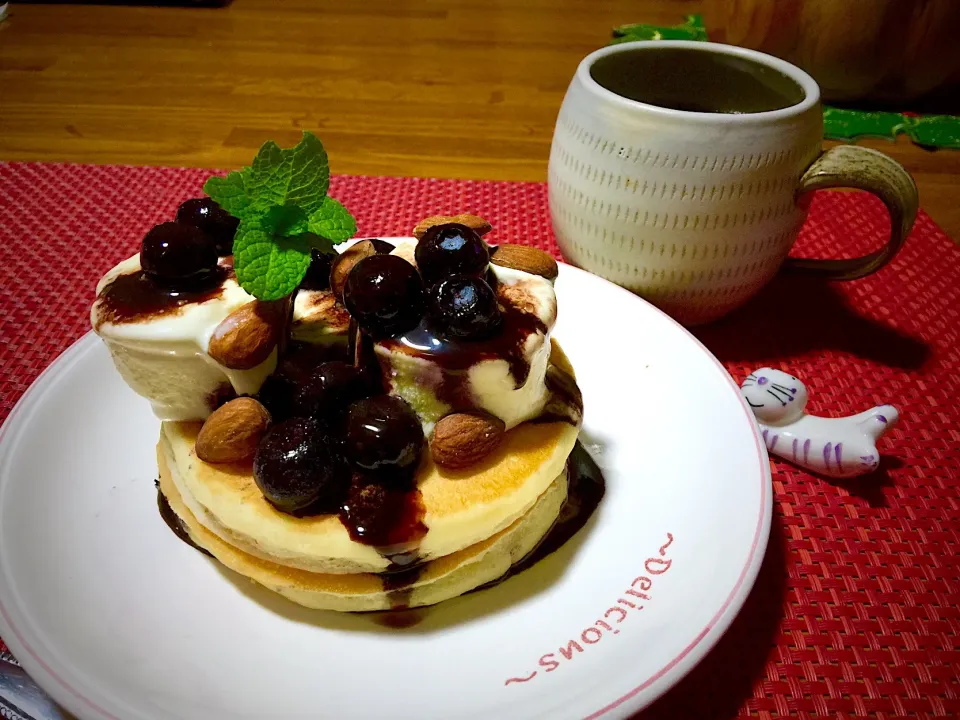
{"x":855,"y":612}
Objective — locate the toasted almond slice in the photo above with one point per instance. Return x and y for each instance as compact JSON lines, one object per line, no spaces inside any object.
{"x":525,"y":258}
{"x":464,"y":439}
{"x":247,"y":336}
{"x":232,"y":431}
{"x":481,"y":226}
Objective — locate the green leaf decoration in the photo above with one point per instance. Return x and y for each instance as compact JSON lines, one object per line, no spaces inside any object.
{"x":333,"y":221}
{"x":316,"y":242}
{"x":942,"y":131}
{"x":281,"y":201}
{"x":284,"y":220}
{"x":228,"y":192}
{"x":839,"y":124}
{"x":268,"y":267}
{"x":298,"y":176}
{"x":937,"y":131}
{"x":691,"y":29}
{"x":256,"y":178}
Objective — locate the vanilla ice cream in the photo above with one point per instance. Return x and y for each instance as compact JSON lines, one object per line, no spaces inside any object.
{"x":505,"y":376}
{"x":160,"y":350}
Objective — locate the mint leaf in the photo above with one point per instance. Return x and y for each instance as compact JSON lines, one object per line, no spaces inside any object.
{"x":268,"y":267}
{"x":281,"y":201}
{"x":257,"y":176}
{"x":284,"y":220}
{"x":228,"y":192}
{"x":309,"y":174}
{"x":332,"y":221}
{"x":319,"y":243}
{"x":298,"y":176}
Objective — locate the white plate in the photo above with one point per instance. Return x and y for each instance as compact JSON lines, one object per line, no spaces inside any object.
{"x":116,"y":618}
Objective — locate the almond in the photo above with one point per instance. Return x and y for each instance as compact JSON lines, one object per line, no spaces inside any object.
{"x":525,"y":258}
{"x":464,"y":439}
{"x":344,"y":263}
{"x":232,"y":432}
{"x":478,"y":224}
{"x":247,"y":336}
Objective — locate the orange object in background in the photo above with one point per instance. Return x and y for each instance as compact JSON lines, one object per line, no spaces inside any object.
{"x":855,"y":49}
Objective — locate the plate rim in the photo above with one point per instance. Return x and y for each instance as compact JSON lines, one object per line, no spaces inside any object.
{"x":632,"y":701}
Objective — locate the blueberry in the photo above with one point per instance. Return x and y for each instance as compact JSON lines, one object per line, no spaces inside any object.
{"x":464,"y":307}
{"x":276,"y":395}
{"x":451,"y":249}
{"x":383,"y":433}
{"x":299,"y":362}
{"x":384,"y":295}
{"x":295,"y":467}
{"x":215,"y":222}
{"x":382,"y":246}
{"x":329,"y":391}
{"x":318,"y":274}
{"x":178,"y":255}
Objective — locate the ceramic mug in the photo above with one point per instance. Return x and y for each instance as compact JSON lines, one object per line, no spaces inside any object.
{"x":678,"y":170}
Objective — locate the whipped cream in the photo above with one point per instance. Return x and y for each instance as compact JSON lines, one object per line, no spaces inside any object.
{"x":163,"y":355}
{"x":505,"y":377}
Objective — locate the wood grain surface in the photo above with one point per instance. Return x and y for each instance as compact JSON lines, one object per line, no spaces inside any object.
{"x":455,"y":88}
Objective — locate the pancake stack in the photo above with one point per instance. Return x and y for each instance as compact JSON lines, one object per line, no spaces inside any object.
{"x":479,"y":524}
{"x":498,"y":417}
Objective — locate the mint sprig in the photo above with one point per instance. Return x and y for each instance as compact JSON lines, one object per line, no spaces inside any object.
{"x":332,"y":221}
{"x":284,"y":211}
{"x":229,"y":193}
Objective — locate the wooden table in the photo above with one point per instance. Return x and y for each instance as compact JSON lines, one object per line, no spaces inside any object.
{"x":455,"y":88}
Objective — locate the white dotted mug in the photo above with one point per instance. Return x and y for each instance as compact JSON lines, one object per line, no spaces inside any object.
{"x":696,"y":211}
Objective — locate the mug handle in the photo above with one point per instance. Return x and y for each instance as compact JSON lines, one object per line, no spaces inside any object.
{"x":859,"y":167}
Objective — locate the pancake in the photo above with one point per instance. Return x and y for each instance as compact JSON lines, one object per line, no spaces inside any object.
{"x":461,"y":508}
{"x":435,"y":581}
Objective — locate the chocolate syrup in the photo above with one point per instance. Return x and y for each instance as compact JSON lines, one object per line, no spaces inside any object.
{"x":220,"y":396}
{"x":398,"y":582}
{"x":388,"y":514}
{"x":134,"y":297}
{"x":399,"y":619}
{"x":565,"y":403}
{"x":174,"y":522}
{"x":384,"y":513}
{"x":300,"y":359}
{"x":585,"y":489}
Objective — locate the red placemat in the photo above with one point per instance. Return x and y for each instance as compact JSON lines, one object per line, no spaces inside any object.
{"x":855,"y":612}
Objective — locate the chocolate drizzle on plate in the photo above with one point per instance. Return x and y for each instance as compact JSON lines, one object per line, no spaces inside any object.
{"x":398,"y":583}
{"x":174,"y":522}
{"x":585,"y":489}
{"x":135,"y":297}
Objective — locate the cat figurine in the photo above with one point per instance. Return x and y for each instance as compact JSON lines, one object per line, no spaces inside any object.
{"x":836,"y":447}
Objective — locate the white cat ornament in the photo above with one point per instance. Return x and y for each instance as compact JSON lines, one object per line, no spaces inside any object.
{"x":836,"y":447}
